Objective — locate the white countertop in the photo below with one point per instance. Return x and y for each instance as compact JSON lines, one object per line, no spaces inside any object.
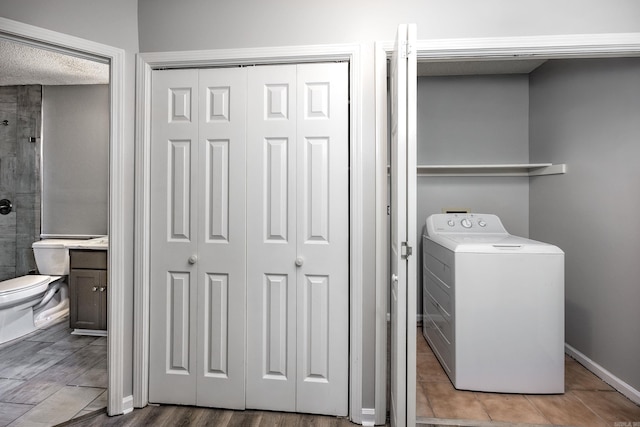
{"x":98,"y":244}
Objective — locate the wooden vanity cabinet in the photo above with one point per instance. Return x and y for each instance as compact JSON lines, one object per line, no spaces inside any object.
{"x":88,"y":289}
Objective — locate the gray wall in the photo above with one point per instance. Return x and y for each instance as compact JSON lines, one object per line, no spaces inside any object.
{"x":585,"y":113}
{"x":474,"y":120}
{"x":75,"y":147}
{"x":19,"y":178}
{"x":113,"y":23}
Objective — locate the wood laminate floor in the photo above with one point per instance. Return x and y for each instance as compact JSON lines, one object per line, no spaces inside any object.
{"x":192,"y":416}
{"x":51,"y":376}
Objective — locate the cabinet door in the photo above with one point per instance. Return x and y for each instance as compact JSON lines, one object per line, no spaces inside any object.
{"x":85,"y":295}
{"x":102,"y":290}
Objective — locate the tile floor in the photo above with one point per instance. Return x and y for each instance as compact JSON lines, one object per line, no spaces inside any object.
{"x":51,"y":376}
{"x":588,"y":401}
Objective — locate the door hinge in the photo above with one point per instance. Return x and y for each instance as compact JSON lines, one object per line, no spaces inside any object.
{"x":405,"y":50}
{"x":406,"y":251}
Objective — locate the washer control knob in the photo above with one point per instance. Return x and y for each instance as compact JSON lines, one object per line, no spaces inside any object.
{"x":466,"y":223}
{"x":451,"y":223}
{"x":299,"y":261}
{"x":481,"y":223}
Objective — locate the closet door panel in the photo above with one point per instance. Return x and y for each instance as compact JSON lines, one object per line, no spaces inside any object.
{"x":221,"y":258}
{"x":173,"y":293}
{"x":322,"y":239}
{"x":271,"y":241}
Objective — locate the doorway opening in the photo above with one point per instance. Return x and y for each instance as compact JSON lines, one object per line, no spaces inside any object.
{"x":450,"y":62}
{"x":63,"y":44}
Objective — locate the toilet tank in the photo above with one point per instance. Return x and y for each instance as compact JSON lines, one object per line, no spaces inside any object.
{"x":52,"y":256}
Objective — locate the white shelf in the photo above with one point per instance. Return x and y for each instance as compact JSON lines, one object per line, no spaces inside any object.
{"x":528,"y":169}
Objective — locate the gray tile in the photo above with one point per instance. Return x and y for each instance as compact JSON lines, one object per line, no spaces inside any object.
{"x":7,"y":252}
{"x":8,"y":94}
{"x":99,"y":402}
{"x":17,"y":349}
{"x":11,"y":411}
{"x":73,"y":365}
{"x":7,"y":385}
{"x":7,"y":272}
{"x":100,"y":341}
{"x":96,"y":376}
{"x":60,"y":407}
{"x":53,"y":333}
{"x":28,"y":364}
{"x":7,"y":176}
{"x":8,"y":224}
{"x":31,"y":392}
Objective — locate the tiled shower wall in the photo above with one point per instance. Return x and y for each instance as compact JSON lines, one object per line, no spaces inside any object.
{"x":21,"y":107}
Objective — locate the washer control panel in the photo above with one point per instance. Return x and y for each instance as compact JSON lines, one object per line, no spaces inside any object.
{"x":468,"y":223}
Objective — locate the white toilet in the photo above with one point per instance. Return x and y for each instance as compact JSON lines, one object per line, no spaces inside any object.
{"x":31,"y":302}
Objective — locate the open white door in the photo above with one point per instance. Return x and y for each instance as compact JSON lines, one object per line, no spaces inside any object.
{"x":403,"y":229}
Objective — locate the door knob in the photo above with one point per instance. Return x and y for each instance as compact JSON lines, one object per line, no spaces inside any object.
{"x":193,"y":259}
{"x":299,"y":261}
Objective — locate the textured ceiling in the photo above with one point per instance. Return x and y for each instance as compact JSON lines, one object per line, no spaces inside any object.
{"x":21,"y":64}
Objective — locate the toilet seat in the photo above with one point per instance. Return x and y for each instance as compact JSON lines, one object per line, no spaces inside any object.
{"x":16,"y":290}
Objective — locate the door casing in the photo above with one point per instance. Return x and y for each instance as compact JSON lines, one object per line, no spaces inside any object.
{"x":146,"y":62}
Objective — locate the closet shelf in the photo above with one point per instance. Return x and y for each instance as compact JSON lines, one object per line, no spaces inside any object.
{"x":528,"y":169}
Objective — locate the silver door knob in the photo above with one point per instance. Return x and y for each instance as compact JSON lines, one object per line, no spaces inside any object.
{"x":299,"y":261}
{"x":193,"y":259}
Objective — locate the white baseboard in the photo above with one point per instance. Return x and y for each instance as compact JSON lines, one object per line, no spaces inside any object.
{"x":127,"y":404}
{"x":368,"y":416}
{"x":604,"y":375}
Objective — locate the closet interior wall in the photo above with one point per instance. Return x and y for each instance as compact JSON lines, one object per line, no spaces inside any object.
{"x":580,"y":112}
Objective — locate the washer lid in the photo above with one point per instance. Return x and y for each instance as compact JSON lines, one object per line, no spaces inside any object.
{"x":23,"y":283}
{"x":493,"y":243}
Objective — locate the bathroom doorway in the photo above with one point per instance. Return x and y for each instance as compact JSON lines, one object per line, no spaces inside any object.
{"x":37,"y":87}
{"x":120,"y":194}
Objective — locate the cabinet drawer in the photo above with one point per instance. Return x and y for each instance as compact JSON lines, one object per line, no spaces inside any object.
{"x":88,"y":259}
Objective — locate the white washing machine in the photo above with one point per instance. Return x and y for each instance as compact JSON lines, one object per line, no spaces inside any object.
{"x":493,"y":305}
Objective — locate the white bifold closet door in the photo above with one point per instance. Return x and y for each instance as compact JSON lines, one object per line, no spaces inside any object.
{"x":298,"y":238}
{"x":198,"y":262}
{"x":250,"y":238}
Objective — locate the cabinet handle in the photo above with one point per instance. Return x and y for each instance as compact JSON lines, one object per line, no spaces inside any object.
{"x":95,"y":288}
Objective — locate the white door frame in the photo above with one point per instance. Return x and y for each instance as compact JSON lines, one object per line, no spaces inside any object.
{"x":70,"y":45}
{"x":529,"y":47}
{"x":146,"y":62}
